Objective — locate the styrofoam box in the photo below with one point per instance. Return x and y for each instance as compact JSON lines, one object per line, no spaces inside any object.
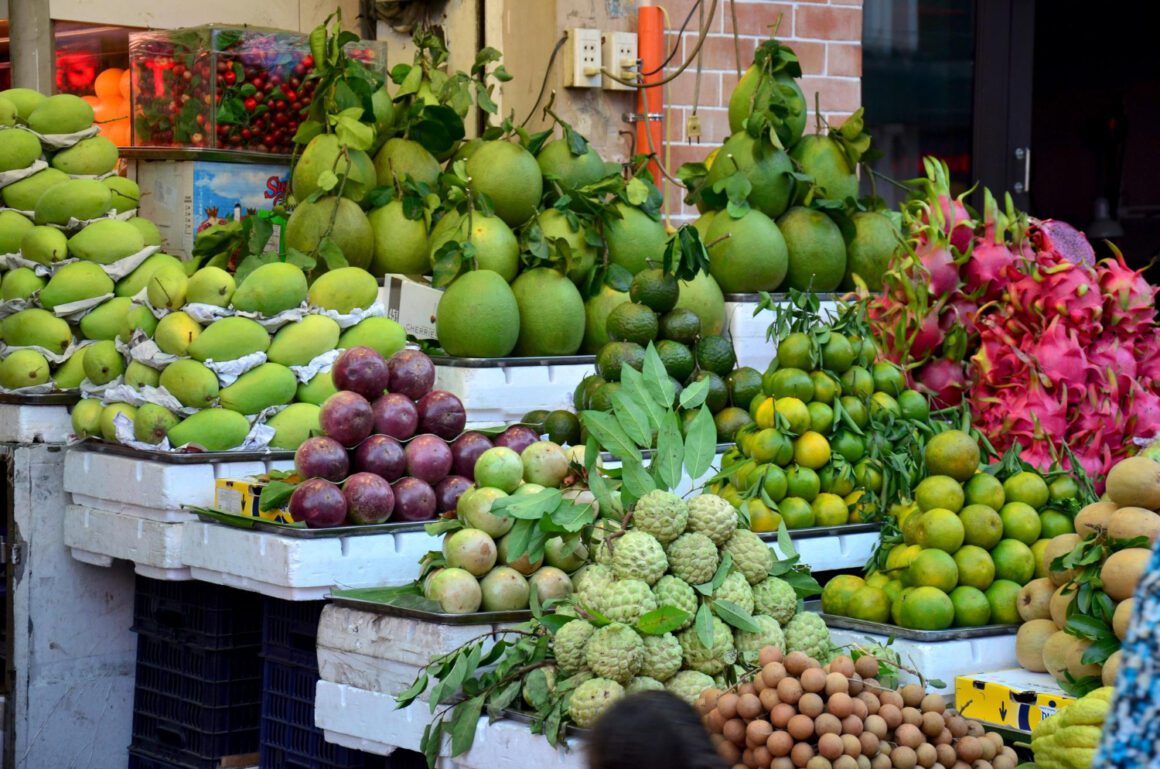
{"x":21,"y":423}
{"x":827,"y":552}
{"x":942,"y":660}
{"x":98,"y":537}
{"x":748,"y":331}
{"x":501,"y":394}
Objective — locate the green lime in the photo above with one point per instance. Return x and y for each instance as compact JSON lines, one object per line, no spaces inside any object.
{"x":715,"y":354}
{"x":982,"y":526}
{"x":868,"y":474}
{"x":615,"y":354}
{"x":791,"y":383}
{"x":803,"y":482}
{"x":681,"y":325}
{"x":655,"y":289}
{"x":856,"y":381}
{"x":1014,"y":561}
{"x":744,"y":385}
{"x":535,"y":418}
{"x":770,"y":445}
{"x":856,"y":409}
{"x":888,"y":378}
{"x":933,"y":568}
{"x":838,"y":591}
{"x":939,"y":491}
{"x":718,"y":397}
{"x":871,"y":604}
{"x":837,"y":353}
{"x":972,"y":608}
{"x":984,"y":489}
{"x":867,"y":353}
{"x":849,"y":445}
{"x":821,"y":417}
{"x":914,"y":405}
{"x":677,"y":359}
{"x":602,"y":398}
{"x":797,"y":350}
{"x":975,"y":566}
{"x":582,"y":397}
{"x":826,"y":386}
{"x":882,"y":404}
{"x":1003,"y":595}
{"x":1021,"y":522}
{"x":1063,"y":488}
{"x":743,"y":475}
{"x":795,"y":412}
{"x":631,"y":322}
{"x":774,"y":483}
{"x":836,"y":481}
{"x":926,"y":608}
{"x":1027,"y":487}
{"x":1054,"y":523}
{"x":562,"y":427}
{"x":755,"y":404}
{"x":729,"y":420}
{"x":796,"y":512}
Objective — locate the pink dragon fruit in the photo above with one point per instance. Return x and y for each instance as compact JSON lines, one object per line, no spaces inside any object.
{"x":940,"y":265}
{"x":944,"y":380}
{"x":1059,"y":354}
{"x":985,"y":272}
{"x":927,"y":338}
{"x":1063,"y":240}
{"x":1129,"y":302}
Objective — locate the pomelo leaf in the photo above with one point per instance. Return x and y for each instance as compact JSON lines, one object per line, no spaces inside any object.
{"x":637,"y":481}
{"x":669,"y":457}
{"x":666,"y":619}
{"x":734,"y":615}
{"x":700,"y":443}
{"x":703,"y":626}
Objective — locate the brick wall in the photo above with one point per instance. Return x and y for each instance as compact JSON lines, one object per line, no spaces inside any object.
{"x":825,"y":34}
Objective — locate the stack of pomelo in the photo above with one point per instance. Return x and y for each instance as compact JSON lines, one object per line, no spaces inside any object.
{"x":1108,"y":554}
{"x":805,"y":459}
{"x":971,"y":542}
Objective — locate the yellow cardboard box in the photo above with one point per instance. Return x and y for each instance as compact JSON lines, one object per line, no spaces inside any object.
{"x":240,"y":497}
{"x":1016,"y":699}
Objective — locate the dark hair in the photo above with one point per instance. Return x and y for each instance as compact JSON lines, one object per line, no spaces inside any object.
{"x":651,"y":730}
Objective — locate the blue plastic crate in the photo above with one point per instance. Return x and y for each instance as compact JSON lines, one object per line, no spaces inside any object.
{"x":198,"y":614}
{"x":157,"y":758}
{"x":205,"y":678}
{"x":236,"y":731}
{"x":290,"y":632}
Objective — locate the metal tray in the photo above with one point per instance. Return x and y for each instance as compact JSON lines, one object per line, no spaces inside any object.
{"x":193,"y":153}
{"x":525,"y":718}
{"x":64,"y":398}
{"x":779,"y":296}
{"x":544,"y":360}
{"x":894,"y":631}
{"x":608,"y":456}
{"x":223,"y":518}
{"x":812,"y":532}
{"x":363,"y":600}
{"x":185,"y":457}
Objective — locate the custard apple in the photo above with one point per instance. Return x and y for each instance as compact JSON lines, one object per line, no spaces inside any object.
{"x":591,"y":699}
{"x":708,"y":660}
{"x":751,"y":556}
{"x":538,"y":686}
{"x":662,"y":514}
{"x":713,"y":516}
{"x":627,"y":600}
{"x":662,"y":656}
{"x":643,"y":684}
{"x":776,"y":598}
{"x":688,"y":685}
{"x":637,"y":555}
{"x":590,"y":584}
{"x":603,"y":529}
{"x":570,"y":644}
{"x":737,"y":591}
{"x":693,"y":558}
{"x":750,"y":644}
{"x":673,"y":591}
{"x":807,"y":633}
{"x":615,"y":651}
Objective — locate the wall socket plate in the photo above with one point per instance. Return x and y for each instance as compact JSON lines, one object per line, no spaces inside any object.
{"x":583,"y":58}
{"x":620,"y":58}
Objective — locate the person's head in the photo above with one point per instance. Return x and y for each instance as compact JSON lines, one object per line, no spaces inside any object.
{"x":651,"y":730}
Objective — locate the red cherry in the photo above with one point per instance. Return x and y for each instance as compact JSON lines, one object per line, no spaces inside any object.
{"x":201,"y":119}
{"x":223,"y":130}
{"x":290,"y":95}
{"x":280,"y":118}
{"x":296,"y":107}
{"x":269,"y":140}
{"x":223,"y":65}
{"x":246,"y":133}
{"x":257,"y":82}
{"x":275,"y":80}
{"x":307,"y":61}
{"x":251,"y":104}
{"x":230,"y":77}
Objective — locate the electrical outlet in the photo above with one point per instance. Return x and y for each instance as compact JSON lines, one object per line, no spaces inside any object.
{"x":583,"y":58}
{"x":620,"y":59}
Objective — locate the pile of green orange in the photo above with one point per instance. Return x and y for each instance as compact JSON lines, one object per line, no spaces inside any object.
{"x":970,"y":542}
{"x":806,"y":460}
{"x":652,"y":315}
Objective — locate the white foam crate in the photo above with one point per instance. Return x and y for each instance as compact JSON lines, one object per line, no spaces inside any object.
{"x":942,"y":660}
{"x":21,"y":423}
{"x":511,"y":745}
{"x":828,"y":552}
{"x":503,"y":394}
{"x":748,"y":331}
{"x":99,"y":537}
{"x":295,"y":568}
{"x":368,"y":720}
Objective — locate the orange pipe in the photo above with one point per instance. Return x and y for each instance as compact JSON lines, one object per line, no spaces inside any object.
{"x":651,"y":50}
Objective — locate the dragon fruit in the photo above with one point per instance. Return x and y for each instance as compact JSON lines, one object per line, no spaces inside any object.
{"x":1062,"y":240}
{"x":1129,"y":302}
{"x":985,"y":273}
{"x":944,"y":380}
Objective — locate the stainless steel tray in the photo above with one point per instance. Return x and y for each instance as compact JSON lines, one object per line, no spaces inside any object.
{"x":812,"y":532}
{"x":364,"y":599}
{"x":526,"y":718}
{"x":64,"y":398}
{"x":183,"y":457}
{"x":894,"y":631}
{"x":301,"y":531}
{"x":784,"y":297}
{"x":543,"y":360}
{"x":193,"y":153}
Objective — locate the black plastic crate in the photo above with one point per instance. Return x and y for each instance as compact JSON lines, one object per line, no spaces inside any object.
{"x":290,"y":632}
{"x":197,"y":613}
{"x":202,"y":678}
{"x":140,"y":759}
{"x":159,"y":758}
{"x":234,"y":730}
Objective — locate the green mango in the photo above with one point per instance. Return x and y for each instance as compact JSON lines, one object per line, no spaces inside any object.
{"x":137,"y":374}
{"x":190,"y":382}
{"x":126,"y":197}
{"x":44,"y":245}
{"x":148,"y":229}
{"x":296,"y":344}
{"x":61,"y":114}
{"x":381,"y":334}
{"x":138,"y":317}
{"x":318,"y":389}
{"x":13,"y":227}
{"x":37,"y":328}
{"x":261,"y":387}
{"x":23,"y":368}
{"x":293,"y":425}
{"x":71,"y":373}
{"x":95,"y":156}
{"x":73,"y":282}
{"x":22,"y":195}
{"x":86,"y":418}
{"x":175,"y":332}
{"x":271,"y":288}
{"x":20,"y":149}
{"x":109,"y":414}
{"x":77,"y":198}
{"x":210,"y":285}
{"x":153,"y":423}
{"x":20,"y":283}
{"x":106,"y":320}
{"x":344,"y":289}
{"x":103,"y":362}
{"x":212,"y":429}
{"x":25,"y":100}
{"x":229,"y":339}
{"x":7,"y":112}
{"x":106,"y":241}
{"x":166,"y":288}
{"x":131,"y":284}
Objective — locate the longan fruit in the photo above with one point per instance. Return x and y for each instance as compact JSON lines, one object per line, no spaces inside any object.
{"x":881,"y":761}
{"x":772,"y":673}
{"x":989,"y":749}
{"x":860,"y":708}
{"x":785,"y":762}
{"x":1003,"y":762}
{"x":846,"y":762}
{"x":871,"y":701}
{"x":769,"y":654}
{"x":912,"y":695}
{"x":801,"y":727}
{"x":748,"y":706}
{"x":727,"y":705}
{"x":926,"y":755}
{"x":908,"y":735}
{"x":969,"y":749}
{"x":996,"y":738}
{"x":746,"y":688}
{"x":830,"y":746}
{"x":958,"y":725}
{"x":960,"y":765}
{"x":796,"y":663}
{"x":768,"y":698}
{"x":869,"y":742}
{"x":779,"y":744}
{"x":903,"y":757}
{"x":734,"y":731}
{"x":707,"y":701}
{"x":836,"y":682}
{"x":863,"y":762}
{"x":851,"y":745}
{"x":762,"y":756}
{"x":757,"y":732}
{"x":867,"y":666}
{"x":1010,"y":752}
{"x":748,"y":759}
{"x":873,"y":685}
{"x":789,"y":690}
{"x":715,"y":721}
{"x":840,"y":704}
{"x":758,"y":683}
{"x":780,"y":714}
{"x":909,"y":715}
{"x":932,"y":724}
{"x":933,"y":703}
{"x":827,"y":723}
{"x":891,"y":714}
{"x":889,"y":697}
{"x":819,"y":762}
{"x":855,"y":686}
{"x":811,"y":705}
{"x":813,"y":680}
{"x":853,"y":725}
{"x":946,"y":755}
{"x":876,"y":725}
{"x":729,"y":752}
{"x":801,"y":753}
{"x":944,"y":737}
{"x":842,"y":664}
{"x":974,"y":728}
{"x":981,"y":764}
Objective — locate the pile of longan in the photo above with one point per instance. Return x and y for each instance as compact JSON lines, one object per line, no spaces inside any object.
{"x":798,"y":714}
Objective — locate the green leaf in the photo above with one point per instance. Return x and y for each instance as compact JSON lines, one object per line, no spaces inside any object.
{"x":700,"y":443}
{"x":530,"y":507}
{"x":1087,"y":627}
{"x":406,"y":697}
{"x":637,"y":481}
{"x":354,"y":133}
{"x":463,"y":724}
{"x":703,"y":626}
{"x":784,"y":543}
{"x":260,"y":231}
{"x":328,"y":180}
{"x":1100,"y":650}
{"x":572,"y":516}
{"x":503,"y":699}
{"x":735,"y":616}
{"x":331,"y":254}
{"x":275,"y":495}
{"x":694,"y":395}
{"x":637,"y":192}
{"x":656,"y":379}
{"x":666,"y":619}
{"x":723,"y":569}
{"x":632,"y":382}
{"x":611,"y":436}
{"x":633,"y":418}
{"x":669,"y":457}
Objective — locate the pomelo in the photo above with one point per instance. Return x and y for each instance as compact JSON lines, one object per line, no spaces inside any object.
{"x":510,"y":177}
{"x":822,"y":158}
{"x":352,"y":231}
{"x":768,"y":169}
{"x":568,"y":244}
{"x":741,"y":105}
{"x":868,"y":255}
{"x":703,"y":296}
{"x":324,"y":153}
{"x":478,"y":316}
{"x":635,"y":239}
{"x":400,"y":243}
{"x":399,"y":158}
{"x":573,"y":171}
{"x":817,"y":252}
{"x":551,"y":313}
{"x":596,"y":311}
{"x":496,"y":247}
{"x":749,"y":255}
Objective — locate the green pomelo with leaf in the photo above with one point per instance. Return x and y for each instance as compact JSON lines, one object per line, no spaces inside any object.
{"x":749,"y":254}
{"x":551,"y":313}
{"x":478,"y":316}
{"x":817,"y":252}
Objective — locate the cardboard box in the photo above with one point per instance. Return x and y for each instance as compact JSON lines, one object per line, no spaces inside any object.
{"x":1016,"y":699}
{"x":183,"y":197}
{"x":240,"y":497}
{"x":411,"y":303}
